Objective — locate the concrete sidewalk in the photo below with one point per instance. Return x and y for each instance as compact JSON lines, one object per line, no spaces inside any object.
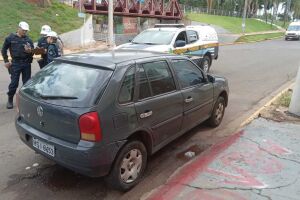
{"x":260,"y":162}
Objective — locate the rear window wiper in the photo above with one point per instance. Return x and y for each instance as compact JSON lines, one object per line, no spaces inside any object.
{"x":56,"y":97}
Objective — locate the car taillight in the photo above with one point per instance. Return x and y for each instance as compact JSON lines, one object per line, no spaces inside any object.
{"x":17,"y":101}
{"x":90,"y":128}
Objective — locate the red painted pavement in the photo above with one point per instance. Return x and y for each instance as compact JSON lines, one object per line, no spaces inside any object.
{"x":190,"y":172}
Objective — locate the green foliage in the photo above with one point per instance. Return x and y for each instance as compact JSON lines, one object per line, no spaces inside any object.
{"x":284,"y":99}
{"x":60,"y":17}
{"x":232,"y":24}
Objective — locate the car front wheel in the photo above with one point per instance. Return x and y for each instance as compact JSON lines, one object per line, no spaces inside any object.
{"x":217,"y":113}
{"x":129,"y":166}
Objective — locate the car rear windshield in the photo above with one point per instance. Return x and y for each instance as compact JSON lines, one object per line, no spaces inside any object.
{"x":67,"y":84}
{"x":154,"y":37}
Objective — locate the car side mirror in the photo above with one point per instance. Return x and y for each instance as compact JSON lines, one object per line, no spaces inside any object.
{"x":211,"y":78}
{"x":180,"y":43}
{"x":130,"y":40}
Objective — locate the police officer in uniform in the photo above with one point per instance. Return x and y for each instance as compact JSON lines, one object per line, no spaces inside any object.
{"x":52,"y":51}
{"x":20,"y":47}
{"x":42,"y":43}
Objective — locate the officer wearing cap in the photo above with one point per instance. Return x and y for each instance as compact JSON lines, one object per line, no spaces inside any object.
{"x":20,"y":47}
{"x":42,"y":43}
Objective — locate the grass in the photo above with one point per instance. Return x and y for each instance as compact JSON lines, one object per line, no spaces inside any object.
{"x":281,"y":23}
{"x":258,"y":37}
{"x":60,"y":17}
{"x":232,"y":24}
{"x":284,"y":99}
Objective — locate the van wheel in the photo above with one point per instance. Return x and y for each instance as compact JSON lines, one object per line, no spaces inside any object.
{"x":205,"y":63}
{"x":217,"y":113}
{"x":128,"y":167}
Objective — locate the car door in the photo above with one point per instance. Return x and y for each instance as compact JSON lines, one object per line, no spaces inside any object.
{"x":192,"y":46}
{"x":159,"y":105}
{"x":181,"y":36}
{"x":196,"y":90}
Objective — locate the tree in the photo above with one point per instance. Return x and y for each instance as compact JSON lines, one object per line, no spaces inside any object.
{"x":44,"y":3}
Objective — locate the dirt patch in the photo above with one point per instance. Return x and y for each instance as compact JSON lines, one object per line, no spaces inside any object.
{"x":278,"y":110}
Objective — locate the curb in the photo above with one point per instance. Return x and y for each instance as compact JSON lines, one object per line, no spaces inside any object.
{"x":236,"y":43}
{"x":277,"y":95}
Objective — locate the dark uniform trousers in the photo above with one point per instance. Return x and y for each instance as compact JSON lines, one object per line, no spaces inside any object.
{"x":15,"y":71}
{"x":21,"y":61}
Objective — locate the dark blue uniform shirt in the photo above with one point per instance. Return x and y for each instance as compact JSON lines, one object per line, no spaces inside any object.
{"x":16,"y":44}
{"x":52,"y":53}
{"x":42,"y":43}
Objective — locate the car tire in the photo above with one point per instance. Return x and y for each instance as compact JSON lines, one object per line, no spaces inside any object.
{"x":205,"y":63}
{"x":128,"y":167}
{"x":217,"y":113}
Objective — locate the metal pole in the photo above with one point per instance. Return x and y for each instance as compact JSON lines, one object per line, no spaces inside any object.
{"x":295,"y":105}
{"x":82,"y":28}
{"x":244,"y":16}
{"x":110,"y":24}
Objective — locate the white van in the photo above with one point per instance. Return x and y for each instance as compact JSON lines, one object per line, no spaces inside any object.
{"x":200,"y":43}
{"x":293,"y":31}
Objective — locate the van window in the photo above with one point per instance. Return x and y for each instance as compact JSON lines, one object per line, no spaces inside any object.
{"x":192,"y":36}
{"x":293,"y":28}
{"x":181,"y":36}
{"x":154,"y":37}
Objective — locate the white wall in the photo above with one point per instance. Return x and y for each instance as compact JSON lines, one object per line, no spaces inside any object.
{"x":79,"y":37}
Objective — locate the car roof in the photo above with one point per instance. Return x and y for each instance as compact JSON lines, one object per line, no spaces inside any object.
{"x":108,"y":59}
{"x":165,"y":29}
{"x":295,"y":24}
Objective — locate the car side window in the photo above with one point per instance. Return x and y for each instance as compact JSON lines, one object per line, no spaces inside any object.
{"x":192,"y":36}
{"x":127,"y":88}
{"x":160,"y":78}
{"x":188,"y":74}
{"x":144,"y":87}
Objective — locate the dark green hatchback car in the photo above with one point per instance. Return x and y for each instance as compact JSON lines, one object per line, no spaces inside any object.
{"x":104,"y":113}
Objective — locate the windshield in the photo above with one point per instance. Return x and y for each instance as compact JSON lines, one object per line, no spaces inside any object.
{"x":293,"y":28}
{"x":154,"y":37}
{"x":67,"y":84}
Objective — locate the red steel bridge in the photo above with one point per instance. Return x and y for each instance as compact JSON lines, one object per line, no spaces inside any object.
{"x":160,"y":9}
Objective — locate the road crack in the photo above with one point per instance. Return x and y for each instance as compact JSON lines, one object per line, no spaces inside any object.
{"x":270,"y":153}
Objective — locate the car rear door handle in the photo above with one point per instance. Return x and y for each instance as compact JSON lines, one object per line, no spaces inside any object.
{"x":146,"y":114}
{"x":188,"y":100}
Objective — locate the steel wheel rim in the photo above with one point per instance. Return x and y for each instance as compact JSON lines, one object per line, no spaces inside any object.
{"x":131,"y":166}
{"x":205,"y":65}
{"x":219,"y":112}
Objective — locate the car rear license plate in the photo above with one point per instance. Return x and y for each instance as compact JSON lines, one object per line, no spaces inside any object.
{"x":44,"y":147}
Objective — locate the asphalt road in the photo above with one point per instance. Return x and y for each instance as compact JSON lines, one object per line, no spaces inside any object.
{"x":255,"y":72}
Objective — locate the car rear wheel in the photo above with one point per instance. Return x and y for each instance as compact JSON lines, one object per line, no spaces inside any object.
{"x":217,"y":113}
{"x":129,"y":166}
{"x":205,"y":63}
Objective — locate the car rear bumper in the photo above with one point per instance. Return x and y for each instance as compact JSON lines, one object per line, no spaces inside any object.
{"x":85,"y":157}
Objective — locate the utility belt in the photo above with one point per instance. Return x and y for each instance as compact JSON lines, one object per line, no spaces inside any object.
{"x":22,"y":60}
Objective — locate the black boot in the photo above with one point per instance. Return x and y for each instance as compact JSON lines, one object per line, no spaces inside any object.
{"x":10,"y":104}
